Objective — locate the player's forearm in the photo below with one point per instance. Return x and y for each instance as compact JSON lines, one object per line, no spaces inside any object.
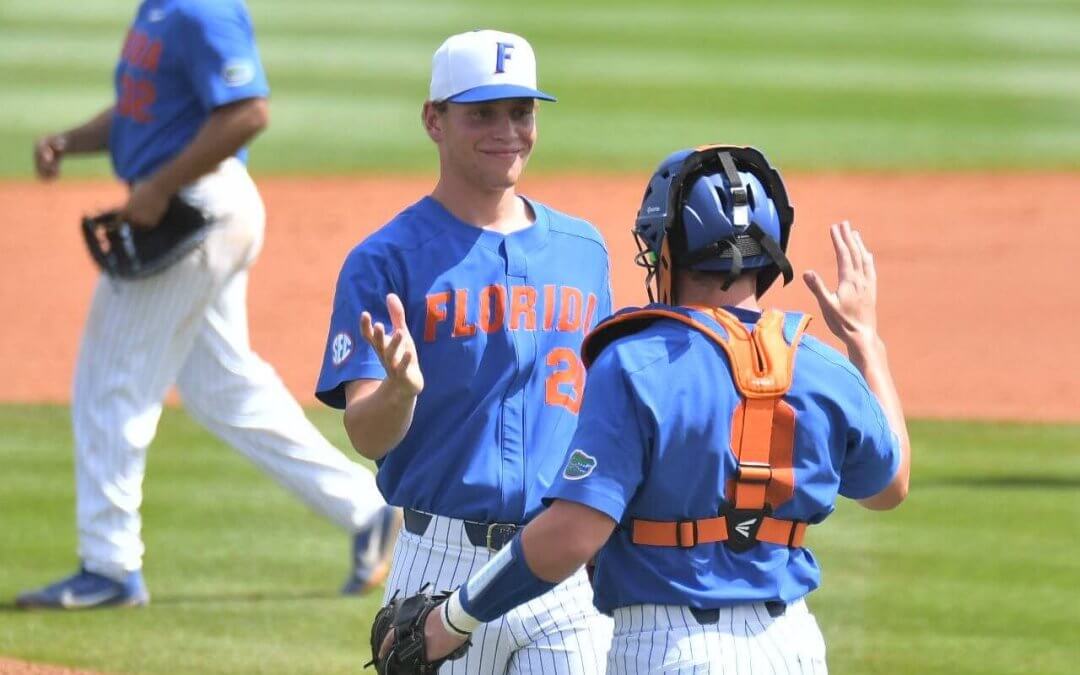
{"x":563,"y":538}
{"x":869,"y":356}
{"x":228,"y":129}
{"x":553,"y":546}
{"x":376,"y":422}
{"x":91,"y":136}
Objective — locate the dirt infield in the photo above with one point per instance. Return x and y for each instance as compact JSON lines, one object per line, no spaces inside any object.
{"x":979,"y":298}
{"x":13,"y":667}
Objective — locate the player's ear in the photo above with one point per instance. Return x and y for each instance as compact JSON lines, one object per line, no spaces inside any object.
{"x":433,"y":117}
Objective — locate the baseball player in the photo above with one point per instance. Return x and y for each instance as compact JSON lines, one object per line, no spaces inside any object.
{"x":711,"y":436}
{"x":190,"y":94}
{"x":453,"y":349}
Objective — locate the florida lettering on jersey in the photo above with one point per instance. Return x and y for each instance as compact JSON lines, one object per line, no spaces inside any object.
{"x":519,"y":307}
{"x":498,"y":322}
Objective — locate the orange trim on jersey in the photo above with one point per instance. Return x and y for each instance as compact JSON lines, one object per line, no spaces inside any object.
{"x":436,"y":313}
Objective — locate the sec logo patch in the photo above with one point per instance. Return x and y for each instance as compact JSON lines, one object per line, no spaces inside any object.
{"x":340,"y":348}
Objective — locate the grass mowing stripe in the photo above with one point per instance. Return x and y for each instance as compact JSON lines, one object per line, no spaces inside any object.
{"x":936,"y":81}
{"x":969,"y":576}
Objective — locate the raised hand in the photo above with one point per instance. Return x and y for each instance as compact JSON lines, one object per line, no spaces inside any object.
{"x":396,"y":352}
{"x":850,"y":311}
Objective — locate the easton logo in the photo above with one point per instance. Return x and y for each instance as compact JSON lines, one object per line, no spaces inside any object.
{"x":743,"y":528}
{"x":579,"y":465}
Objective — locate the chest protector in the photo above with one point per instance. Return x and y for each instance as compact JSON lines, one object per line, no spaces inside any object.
{"x":762,"y":429}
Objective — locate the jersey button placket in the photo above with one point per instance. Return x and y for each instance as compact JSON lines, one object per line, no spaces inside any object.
{"x":514,"y":403}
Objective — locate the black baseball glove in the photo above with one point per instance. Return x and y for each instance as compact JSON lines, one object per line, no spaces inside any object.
{"x":408,"y":654}
{"x":127,"y":251}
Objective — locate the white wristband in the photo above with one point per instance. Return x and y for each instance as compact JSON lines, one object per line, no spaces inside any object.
{"x":455,"y":619}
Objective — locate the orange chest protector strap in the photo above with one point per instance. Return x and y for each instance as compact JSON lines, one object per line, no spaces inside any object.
{"x":762,"y":430}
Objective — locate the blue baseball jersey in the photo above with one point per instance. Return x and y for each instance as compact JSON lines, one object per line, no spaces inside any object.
{"x":498,"y":321}
{"x":654,"y":443}
{"x":180,"y":61}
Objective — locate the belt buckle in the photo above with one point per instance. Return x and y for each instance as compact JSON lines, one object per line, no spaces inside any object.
{"x":492,"y":531}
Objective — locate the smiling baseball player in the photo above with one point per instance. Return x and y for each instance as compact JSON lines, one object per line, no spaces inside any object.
{"x":453,"y":348}
{"x":712,"y":434}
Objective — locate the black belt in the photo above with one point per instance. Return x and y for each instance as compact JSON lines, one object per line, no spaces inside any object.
{"x":492,"y":536}
{"x":707,"y":617}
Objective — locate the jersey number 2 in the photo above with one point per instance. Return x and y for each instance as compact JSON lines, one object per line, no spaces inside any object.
{"x":566,"y":384}
{"x":136,"y":97}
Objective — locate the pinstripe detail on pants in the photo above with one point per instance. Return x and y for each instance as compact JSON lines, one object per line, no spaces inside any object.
{"x":745,"y":640}
{"x":188,"y":326}
{"x":559,"y":632}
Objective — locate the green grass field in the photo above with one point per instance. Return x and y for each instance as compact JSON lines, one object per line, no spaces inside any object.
{"x":976,"y":573}
{"x":833,"y":83}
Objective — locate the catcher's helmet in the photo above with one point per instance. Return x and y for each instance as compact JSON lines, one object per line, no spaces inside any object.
{"x":714,"y":208}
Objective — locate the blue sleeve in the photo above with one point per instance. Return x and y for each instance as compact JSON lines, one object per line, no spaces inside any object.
{"x":222,"y":60}
{"x":606,"y":461}
{"x":364,"y":282}
{"x":603,"y":309}
{"x":873,"y":450}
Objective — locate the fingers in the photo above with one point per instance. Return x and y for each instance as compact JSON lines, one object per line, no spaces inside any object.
{"x":397,"y":312}
{"x":387,"y":643}
{"x":46,"y":160}
{"x":393,"y":351}
{"x":854,"y":250}
{"x":869,"y":269}
{"x":373,"y":332}
{"x":844,"y":266}
{"x":816,"y":285}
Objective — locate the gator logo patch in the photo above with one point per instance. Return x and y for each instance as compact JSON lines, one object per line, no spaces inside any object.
{"x":238,"y":72}
{"x":579,"y":465}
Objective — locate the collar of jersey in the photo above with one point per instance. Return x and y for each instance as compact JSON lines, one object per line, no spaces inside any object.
{"x":744,"y":315}
{"x":530,"y":238}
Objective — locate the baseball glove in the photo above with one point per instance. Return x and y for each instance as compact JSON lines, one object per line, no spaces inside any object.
{"x":126,"y":251}
{"x":408,"y":654}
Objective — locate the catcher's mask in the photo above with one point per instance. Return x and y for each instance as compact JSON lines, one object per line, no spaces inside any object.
{"x":720,"y":208}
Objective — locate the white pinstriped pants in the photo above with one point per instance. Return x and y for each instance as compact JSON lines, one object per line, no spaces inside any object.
{"x":558,"y":633}
{"x":745,"y":641}
{"x":188,"y":326}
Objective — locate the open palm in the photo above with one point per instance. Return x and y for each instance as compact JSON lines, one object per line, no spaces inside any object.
{"x":850,"y":310}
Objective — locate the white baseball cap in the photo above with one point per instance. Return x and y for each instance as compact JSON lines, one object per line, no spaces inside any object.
{"x":484,"y":65}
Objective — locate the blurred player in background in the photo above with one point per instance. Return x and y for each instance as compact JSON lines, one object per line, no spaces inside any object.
{"x":190,"y":95}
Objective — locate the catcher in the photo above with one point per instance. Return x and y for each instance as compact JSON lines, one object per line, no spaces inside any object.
{"x":711,"y":435}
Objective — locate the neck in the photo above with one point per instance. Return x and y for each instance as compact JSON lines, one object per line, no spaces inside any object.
{"x":741,"y":294}
{"x":498,"y":209}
